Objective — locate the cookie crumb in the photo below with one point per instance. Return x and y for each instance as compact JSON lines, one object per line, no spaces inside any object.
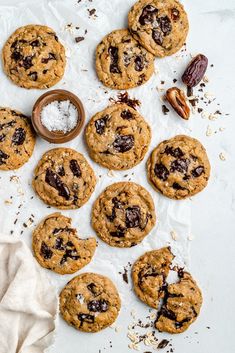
{"x":222,"y":157}
{"x":174,"y":235}
{"x":124,"y":98}
{"x":209,"y":131}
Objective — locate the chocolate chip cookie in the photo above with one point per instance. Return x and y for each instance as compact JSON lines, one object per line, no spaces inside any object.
{"x":118,"y":137}
{"x":181,"y":305}
{"x":17,"y":139}
{"x":57,"y":246}
{"x":161,"y":26}
{"x":121,"y":63}
{"x":64,"y":179}
{"x":33,"y":57}
{"x":179,"y":167}
{"x":90,"y":302}
{"x":123,"y":214}
{"x":149,"y":274}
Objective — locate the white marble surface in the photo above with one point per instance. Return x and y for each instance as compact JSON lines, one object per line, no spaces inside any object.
{"x":212,"y":221}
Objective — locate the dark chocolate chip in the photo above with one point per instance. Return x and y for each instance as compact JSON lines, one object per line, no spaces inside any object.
{"x":59,"y":244}
{"x":2,"y":137}
{"x":165,"y":110}
{"x":79,"y":39}
{"x":161,"y":171}
{"x":9,"y":124}
{"x":46,"y":251}
{"x":177,"y":186}
{"x":126,"y":114}
{"x":100,"y":305}
{"x":163,"y":344}
{"x":165,"y":25}
{"x":175,"y":14}
{"x":123,"y":143}
{"x":133,"y":217}
{"x":61,"y":171}
{"x":33,"y":75}
{"x":139,"y":63}
{"x":35,"y":43}
{"x":157,"y":36}
{"x":54,"y":180}
{"x":3,"y":157}
{"x":93,"y":289}
{"x":148,"y":14}
{"x":51,"y":56}
{"x":27,"y":62}
{"x":100,"y":124}
{"x":174,"y":152}
{"x":75,"y":168}
{"x":16,"y":55}
{"x":120,"y":233}
{"x":180,"y":165}
{"x":113,"y":52}
{"x":19,"y":136}
{"x":44,"y":72}
{"x":86,"y":318}
{"x":69,"y":254}
{"x":197,"y":172}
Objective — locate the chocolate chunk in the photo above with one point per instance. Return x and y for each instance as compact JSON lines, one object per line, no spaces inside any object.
{"x":86,"y":318}
{"x":133,"y":217}
{"x":175,"y":14}
{"x":177,"y":186}
{"x":113,"y":52}
{"x":165,"y":110}
{"x":126,"y":114}
{"x":93,"y":289}
{"x":197,"y":172}
{"x":100,"y":305}
{"x":120,"y":233}
{"x":19,"y":136}
{"x":163,"y":344}
{"x":100,"y":124}
{"x":165,"y":25}
{"x":75,"y":168}
{"x":33,"y":75}
{"x":16,"y":55}
{"x":161,"y":171}
{"x":139,"y":63}
{"x":123,"y":143}
{"x":59,"y":244}
{"x":9,"y":124}
{"x":180,"y":165}
{"x":124,"y":98}
{"x":2,"y":137}
{"x":3,"y":157}
{"x":46,"y":251}
{"x":44,"y":72}
{"x":54,"y":180}
{"x":35,"y":43}
{"x":157,"y":36}
{"x":27,"y":62}
{"x":69,"y":253}
{"x":61,"y":171}
{"x":79,"y":39}
{"x":147,"y":15}
{"x":51,"y":56}
{"x":174,"y":152}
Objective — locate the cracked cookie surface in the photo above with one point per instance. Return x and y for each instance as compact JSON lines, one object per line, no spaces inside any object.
{"x":179,"y":167}
{"x":181,"y":305}
{"x":33,"y":57}
{"x":57,"y":246}
{"x":161,"y":26}
{"x":64,"y":179}
{"x":149,"y":275}
{"x":121,"y":63}
{"x":90,"y":302}
{"x":123,"y":214}
{"x":17,"y":139}
{"x":118,"y":137}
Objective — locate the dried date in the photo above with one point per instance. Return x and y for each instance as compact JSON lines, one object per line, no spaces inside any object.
{"x":177,"y":100}
{"x":195,"y":71}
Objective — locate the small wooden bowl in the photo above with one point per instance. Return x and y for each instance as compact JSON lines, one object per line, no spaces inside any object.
{"x":47,"y":98}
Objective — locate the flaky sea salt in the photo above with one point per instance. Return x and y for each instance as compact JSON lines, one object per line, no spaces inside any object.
{"x":59,"y":116}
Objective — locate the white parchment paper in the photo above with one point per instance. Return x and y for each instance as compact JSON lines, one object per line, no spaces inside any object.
{"x":18,"y":201}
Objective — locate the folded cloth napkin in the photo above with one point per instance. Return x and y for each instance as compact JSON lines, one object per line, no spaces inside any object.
{"x":28,"y":301}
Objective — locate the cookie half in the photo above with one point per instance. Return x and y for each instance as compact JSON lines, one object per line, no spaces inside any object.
{"x":118,"y":137}
{"x":17,"y":139}
{"x":33,"y":57}
{"x":64,"y":179}
{"x":179,"y":167}
{"x":121,"y":63}
{"x":57,"y":246}
{"x":90,"y":302}
{"x":123,"y":214}
{"x":160,"y":26}
{"x":149,"y":274}
{"x":181,"y":305}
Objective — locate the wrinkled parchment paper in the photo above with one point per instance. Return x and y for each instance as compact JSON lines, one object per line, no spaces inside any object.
{"x":18,"y":202}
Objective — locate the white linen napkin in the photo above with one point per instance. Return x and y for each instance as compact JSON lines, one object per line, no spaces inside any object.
{"x":28,"y":301}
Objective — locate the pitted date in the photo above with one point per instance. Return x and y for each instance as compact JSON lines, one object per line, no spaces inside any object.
{"x":195,"y":71}
{"x":177,"y":100}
